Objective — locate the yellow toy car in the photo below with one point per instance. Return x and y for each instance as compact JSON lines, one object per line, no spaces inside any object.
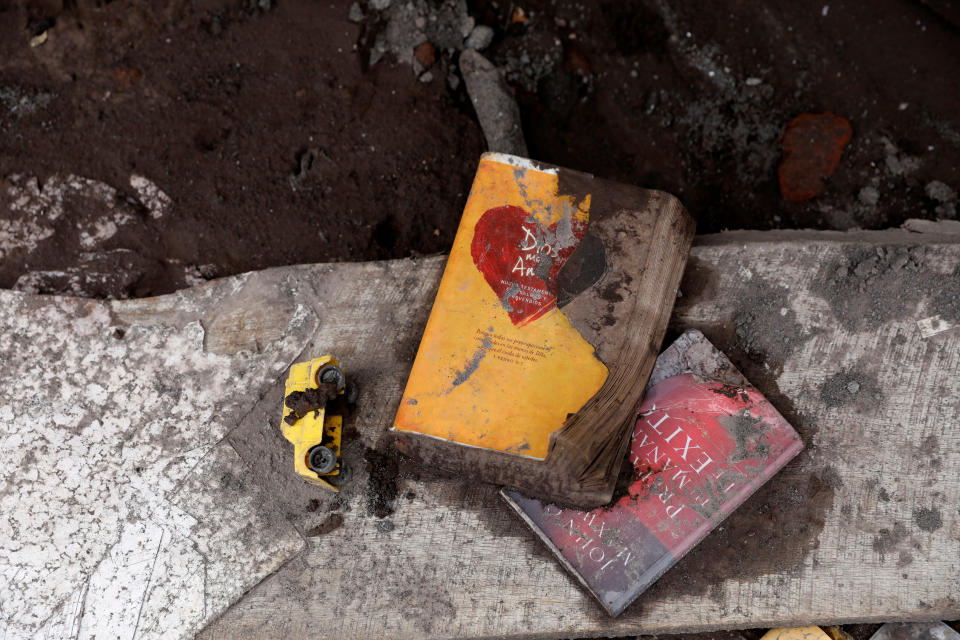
{"x":310,"y":389}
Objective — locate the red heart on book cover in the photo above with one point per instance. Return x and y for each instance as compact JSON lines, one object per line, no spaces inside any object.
{"x":520,"y":258}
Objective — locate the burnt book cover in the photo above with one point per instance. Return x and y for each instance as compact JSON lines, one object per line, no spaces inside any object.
{"x":546,"y":325}
{"x":703,"y":442}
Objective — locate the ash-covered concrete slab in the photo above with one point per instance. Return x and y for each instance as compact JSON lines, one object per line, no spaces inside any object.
{"x":861,"y":526}
{"x":124,"y":511}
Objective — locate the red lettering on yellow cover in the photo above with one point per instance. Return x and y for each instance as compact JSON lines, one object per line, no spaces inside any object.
{"x":520,"y":258}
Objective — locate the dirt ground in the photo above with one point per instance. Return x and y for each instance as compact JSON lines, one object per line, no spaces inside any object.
{"x":289,"y":131}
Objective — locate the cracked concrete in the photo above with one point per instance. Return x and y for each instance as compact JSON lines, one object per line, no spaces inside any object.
{"x":124,"y":511}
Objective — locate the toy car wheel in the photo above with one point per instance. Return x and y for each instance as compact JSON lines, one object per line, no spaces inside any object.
{"x":333,"y":375}
{"x":321,"y":459}
{"x":351,"y":393}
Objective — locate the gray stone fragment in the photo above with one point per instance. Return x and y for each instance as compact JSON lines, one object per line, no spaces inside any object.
{"x":480,"y":38}
{"x":467,"y":25}
{"x":915,"y":631}
{"x":945,"y":195}
{"x":897,"y":162}
{"x":494,"y":103}
{"x":19,"y":103}
{"x":940,"y":192}
{"x":356,"y":13}
{"x":869,"y":196}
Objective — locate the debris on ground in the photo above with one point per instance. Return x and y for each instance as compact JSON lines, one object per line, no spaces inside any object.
{"x":674,"y":99}
{"x":944,"y":196}
{"x":445,"y":27}
{"x":812,"y":147}
{"x":915,"y":631}
{"x":494,"y":104}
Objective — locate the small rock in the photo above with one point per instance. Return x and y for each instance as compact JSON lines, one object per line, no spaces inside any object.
{"x":426,"y":77}
{"x":853,"y":386}
{"x":379,"y":5}
{"x":945,"y":196}
{"x":812,"y":147}
{"x":752,"y":82}
{"x":494,"y":103}
{"x":356,"y":13}
{"x":480,"y":38}
{"x":940,"y":192}
{"x":127,"y":76}
{"x":39,"y":39}
{"x":894,"y":165}
{"x":467,"y":25}
{"x":425,"y":54}
{"x":869,"y":196}
{"x":198,"y":274}
{"x":867,"y":267}
{"x":898,"y":163}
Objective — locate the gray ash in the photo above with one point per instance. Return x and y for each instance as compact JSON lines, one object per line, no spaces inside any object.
{"x":866,"y":288}
{"x":382,"y":486}
{"x":766,"y":325}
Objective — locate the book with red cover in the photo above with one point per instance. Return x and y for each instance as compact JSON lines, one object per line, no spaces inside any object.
{"x":704,"y":441}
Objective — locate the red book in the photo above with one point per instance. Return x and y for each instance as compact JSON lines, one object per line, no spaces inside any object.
{"x":704,"y":441}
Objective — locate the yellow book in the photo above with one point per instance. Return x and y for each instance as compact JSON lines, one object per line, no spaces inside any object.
{"x":545,"y":327}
